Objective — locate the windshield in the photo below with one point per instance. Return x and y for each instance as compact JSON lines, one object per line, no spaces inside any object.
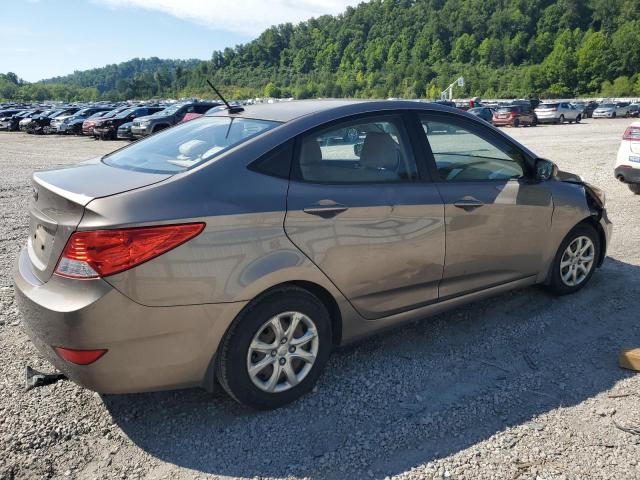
{"x":171,"y":110}
{"x":187,"y":145}
{"x":124,"y":113}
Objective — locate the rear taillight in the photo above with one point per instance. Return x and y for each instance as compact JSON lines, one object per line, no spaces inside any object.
{"x":79,"y":357}
{"x":100,"y":253}
{"x":632,"y":134}
{"x":514,"y":114}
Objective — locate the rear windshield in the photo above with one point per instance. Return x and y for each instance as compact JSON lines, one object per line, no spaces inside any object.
{"x":187,"y":144}
{"x":508,"y":109}
{"x":548,"y":105}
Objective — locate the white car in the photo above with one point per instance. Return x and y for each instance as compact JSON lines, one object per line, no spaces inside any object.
{"x":628,"y":164}
{"x":558,"y":112}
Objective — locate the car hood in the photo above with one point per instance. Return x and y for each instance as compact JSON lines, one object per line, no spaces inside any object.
{"x":568,"y":176}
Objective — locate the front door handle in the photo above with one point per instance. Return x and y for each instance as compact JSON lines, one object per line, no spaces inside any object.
{"x":326,"y":210}
{"x":468,"y":204}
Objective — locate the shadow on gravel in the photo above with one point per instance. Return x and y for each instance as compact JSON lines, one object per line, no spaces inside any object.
{"x":422,"y":392}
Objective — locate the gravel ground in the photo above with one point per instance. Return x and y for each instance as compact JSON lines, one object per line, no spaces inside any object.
{"x":523,"y":385}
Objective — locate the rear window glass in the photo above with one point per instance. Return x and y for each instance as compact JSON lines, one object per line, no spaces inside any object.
{"x":187,"y":144}
{"x":548,"y":105}
{"x":508,"y":109}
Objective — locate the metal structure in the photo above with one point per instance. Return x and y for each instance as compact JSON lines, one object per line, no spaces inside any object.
{"x":447,"y":93}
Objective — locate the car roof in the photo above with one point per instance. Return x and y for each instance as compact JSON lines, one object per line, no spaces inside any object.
{"x":291,"y":110}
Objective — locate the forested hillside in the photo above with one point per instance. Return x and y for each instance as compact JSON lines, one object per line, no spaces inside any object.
{"x":413,"y":48}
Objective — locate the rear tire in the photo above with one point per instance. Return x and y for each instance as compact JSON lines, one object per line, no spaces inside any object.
{"x":635,"y":188}
{"x":561,"y":119}
{"x":516,"y":123}
{"x":254,"y":340}
{"x":575,"y":260}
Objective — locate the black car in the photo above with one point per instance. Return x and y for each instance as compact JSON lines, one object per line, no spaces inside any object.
{"x":73,"y":125}
{"x":124,"y":131}
{"x":40,"y":124}
{"x":14,"y":123}
{"x":107,"y":129}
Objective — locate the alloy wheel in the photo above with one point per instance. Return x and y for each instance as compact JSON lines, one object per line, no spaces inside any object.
{"x":577,"y":261}
{"x":282,"y":352}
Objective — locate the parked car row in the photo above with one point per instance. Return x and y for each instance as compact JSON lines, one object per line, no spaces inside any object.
{"x":524,"y":112}
{"x":105,"y":121}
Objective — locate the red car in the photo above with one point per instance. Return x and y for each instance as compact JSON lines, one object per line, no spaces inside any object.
{"x":514,"y":116}
{"x":190,"y":116}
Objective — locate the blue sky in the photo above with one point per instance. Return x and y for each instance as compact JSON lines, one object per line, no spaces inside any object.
{"x":45,"y":38}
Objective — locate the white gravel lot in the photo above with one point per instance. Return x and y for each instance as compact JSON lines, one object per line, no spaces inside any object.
{"x":523,"y":385}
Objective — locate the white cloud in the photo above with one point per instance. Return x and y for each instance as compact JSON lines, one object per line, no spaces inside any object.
{"x":248,"y":17}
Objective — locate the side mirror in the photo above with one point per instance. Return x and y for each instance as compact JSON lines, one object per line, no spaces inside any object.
{"x":545,"y":169}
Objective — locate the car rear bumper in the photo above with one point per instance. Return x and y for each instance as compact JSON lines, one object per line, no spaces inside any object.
{"x":547,"y":117}
{"x":501,"y":122}
{"x":149,"y":348}
{"x":628,"y":174}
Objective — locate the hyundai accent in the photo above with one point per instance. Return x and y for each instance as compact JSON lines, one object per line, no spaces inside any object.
{"x":241,"y":247}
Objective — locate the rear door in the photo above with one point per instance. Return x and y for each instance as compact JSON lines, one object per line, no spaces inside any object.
{"x":358,"y":208}
{"x":497,"y":218}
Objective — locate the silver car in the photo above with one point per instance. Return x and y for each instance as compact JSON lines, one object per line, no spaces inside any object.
{"x":612,"y":110}
{"x":558,"y":112}
{"x":241,"y":247}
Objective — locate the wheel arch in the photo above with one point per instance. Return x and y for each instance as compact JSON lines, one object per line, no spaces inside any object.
{"x":593,"y":222}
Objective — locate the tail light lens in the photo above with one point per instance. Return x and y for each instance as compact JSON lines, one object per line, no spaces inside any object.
{"x":632,"y":134}
{"x":100,"y":253}
{"x":514,"y":114}
{"x":79,"y":357}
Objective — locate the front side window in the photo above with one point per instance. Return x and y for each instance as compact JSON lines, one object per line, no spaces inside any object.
{"x":187,"y":145}
{"x":363,"y":151}
{"x":462,"y":155}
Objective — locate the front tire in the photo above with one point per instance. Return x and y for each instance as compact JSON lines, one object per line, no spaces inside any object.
{"x":275,"y":349}
{"x":575,"y":260}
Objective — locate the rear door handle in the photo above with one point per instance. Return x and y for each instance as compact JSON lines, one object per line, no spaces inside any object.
{"x":468,"y":204}
{"x":326,"y":211}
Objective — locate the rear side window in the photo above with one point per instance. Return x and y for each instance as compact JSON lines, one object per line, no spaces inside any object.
{"x":371,"y":150}
{"x":187,"y":145}
{"x":276,"y":163}
{"x":464,"y":155}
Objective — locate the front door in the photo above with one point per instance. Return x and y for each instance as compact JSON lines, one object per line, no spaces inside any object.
{"x":497,"y":218}
{"x":359,"y":210}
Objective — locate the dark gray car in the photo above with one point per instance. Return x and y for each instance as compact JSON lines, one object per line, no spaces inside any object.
{"x":144,"y":126}
{"x":243,"y":246}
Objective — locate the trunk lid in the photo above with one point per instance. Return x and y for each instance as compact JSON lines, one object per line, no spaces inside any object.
{"x":59,"y":200}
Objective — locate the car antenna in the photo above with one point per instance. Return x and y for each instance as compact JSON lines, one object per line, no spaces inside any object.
{"x":230,"y":109}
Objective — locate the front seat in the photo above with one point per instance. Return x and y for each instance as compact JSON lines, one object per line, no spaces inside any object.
{"x":311,"y":160}
{"x":380,"y":157}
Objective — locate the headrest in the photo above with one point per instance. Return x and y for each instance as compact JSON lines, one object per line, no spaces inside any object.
{"x":379,"y":151}
{"x":310,"y":152}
